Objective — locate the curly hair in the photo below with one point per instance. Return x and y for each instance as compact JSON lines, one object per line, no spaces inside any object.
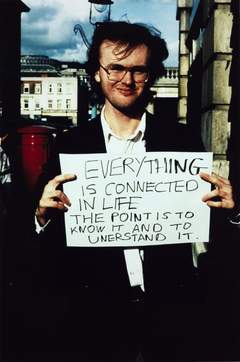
{"x":128,"y":36}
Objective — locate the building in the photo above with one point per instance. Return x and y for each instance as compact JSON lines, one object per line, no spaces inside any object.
{"x":49,"y":97}
{"x":53,"y":91}
{"x":60,"y":92}
{"x":165,"y":95}
{"x":205,"y":62}
{"x":167,"y":86}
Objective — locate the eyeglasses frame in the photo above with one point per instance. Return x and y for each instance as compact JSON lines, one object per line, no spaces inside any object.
{"x":126,"y":70}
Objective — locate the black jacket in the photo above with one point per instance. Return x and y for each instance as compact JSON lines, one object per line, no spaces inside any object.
{"x":167,"y":268}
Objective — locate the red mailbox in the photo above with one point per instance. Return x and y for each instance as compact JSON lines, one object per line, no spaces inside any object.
{"x":34,"y":146}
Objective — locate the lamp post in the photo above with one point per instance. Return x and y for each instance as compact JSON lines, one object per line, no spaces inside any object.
{"x":100,"y":7}
{"x":100,"y":10}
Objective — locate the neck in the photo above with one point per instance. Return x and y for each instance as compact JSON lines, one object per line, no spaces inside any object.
{"x":122,"y":124}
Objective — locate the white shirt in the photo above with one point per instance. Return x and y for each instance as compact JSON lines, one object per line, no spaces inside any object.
{"x":133,"y":144}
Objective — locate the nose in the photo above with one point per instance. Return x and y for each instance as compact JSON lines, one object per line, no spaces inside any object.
{"x":128,"y":78}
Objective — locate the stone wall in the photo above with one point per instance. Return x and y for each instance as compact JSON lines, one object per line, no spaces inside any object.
{"x":211,"y":27}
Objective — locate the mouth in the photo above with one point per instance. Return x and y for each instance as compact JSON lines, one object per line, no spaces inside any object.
{"x":126,"y":91}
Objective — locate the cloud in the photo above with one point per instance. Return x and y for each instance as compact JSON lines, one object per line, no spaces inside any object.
{"x":75,"y":9}
{"x":48,"y":27}
{"x":172,"y":60}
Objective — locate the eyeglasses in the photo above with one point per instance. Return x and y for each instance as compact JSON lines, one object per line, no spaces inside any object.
{"x":116,"y":72}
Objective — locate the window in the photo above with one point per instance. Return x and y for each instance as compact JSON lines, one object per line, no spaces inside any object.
{"x":26,"y":104}
{"x":37,"y":105}
{"x":26,"y":88}
{"x":50,"y":104}
{"x":68,"y":103}
{"x":59,"y":87}
{"x":37,"y":88}
{"x":50,"y":88}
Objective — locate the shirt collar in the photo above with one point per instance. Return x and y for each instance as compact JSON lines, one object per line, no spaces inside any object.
{"x":108,"y":133}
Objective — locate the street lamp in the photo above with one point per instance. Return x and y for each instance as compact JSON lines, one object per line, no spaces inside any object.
{"x":100,"y":10}
{"x":101,"y":7}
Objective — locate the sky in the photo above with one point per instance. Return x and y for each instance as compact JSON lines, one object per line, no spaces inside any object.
{"x":48,"y":28}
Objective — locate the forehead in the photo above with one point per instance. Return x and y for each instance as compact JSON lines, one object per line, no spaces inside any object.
{"x":111,"y":52}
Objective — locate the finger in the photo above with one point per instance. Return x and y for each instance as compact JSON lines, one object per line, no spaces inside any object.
{"x":53,"y":204}
{"x":220,"y":204}
{"x":216,"y":204}
{"x":61,"y":206}
{"x":210,"y":195}
{"x":61,"y":196}
{"x":208,"y":178}
{"x":225,"y":192}
{"x":222,"y":179}
{"x":214,"y":179}
{"x":61,"y":179}
{"x":205,"y":176}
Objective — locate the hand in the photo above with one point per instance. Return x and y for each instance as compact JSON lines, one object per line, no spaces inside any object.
{"x":53,"y":198}
{"x":223,"y":191}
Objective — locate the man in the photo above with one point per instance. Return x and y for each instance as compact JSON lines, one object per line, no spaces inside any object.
{"x":108,"y":310}
{"x":5,"y":180}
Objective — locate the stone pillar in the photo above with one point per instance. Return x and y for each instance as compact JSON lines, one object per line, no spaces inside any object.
{"x":234,"y":110}
{"x":183,"y":16}
{"x":216,"y":92}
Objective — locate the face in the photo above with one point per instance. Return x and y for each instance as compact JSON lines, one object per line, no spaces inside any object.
{"x":125,"y":94}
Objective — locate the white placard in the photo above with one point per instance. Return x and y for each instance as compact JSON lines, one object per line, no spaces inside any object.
{"x":151,"y":198}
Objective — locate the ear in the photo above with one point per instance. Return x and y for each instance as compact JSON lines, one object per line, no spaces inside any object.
{"x":97,"y":76}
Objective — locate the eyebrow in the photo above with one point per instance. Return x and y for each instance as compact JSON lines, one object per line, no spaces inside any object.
{"x":134,"y":66}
